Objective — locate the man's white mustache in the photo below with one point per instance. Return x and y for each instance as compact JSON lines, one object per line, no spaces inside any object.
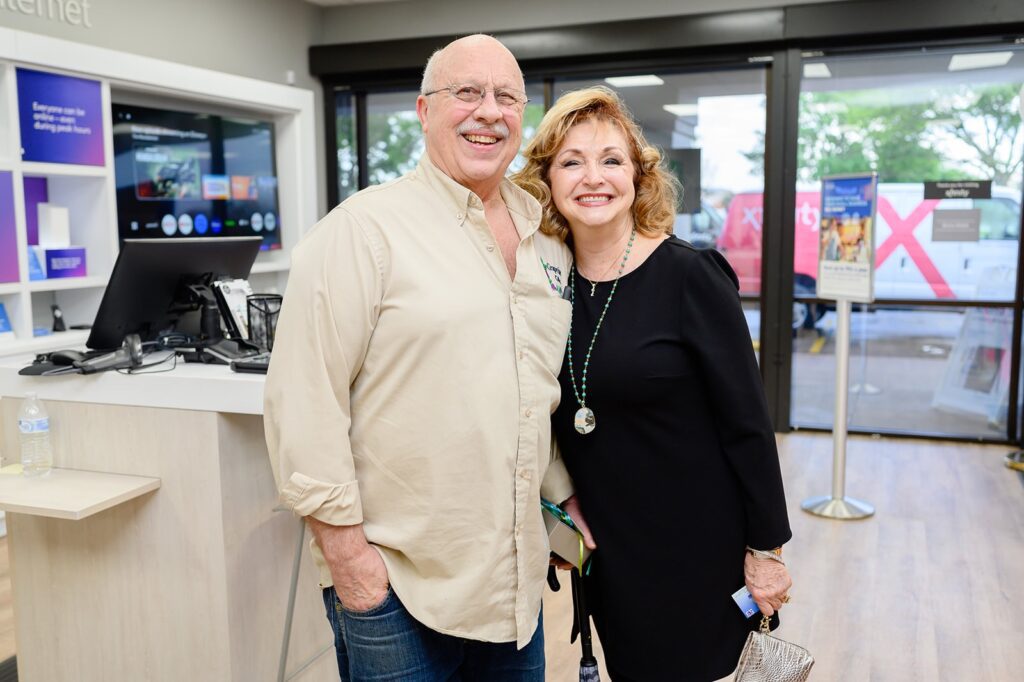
{"x":499,"y":129}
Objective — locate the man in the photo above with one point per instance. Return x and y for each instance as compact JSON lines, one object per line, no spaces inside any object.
{"x":408,"y":404}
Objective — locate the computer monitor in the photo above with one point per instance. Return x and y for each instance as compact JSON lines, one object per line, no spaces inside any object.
{"x":146,"y":282}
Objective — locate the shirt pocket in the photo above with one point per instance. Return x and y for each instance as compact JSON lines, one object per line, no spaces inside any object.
{"x":560,"y":313}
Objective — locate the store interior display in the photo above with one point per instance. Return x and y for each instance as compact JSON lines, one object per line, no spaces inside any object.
{"x":97,"y":149}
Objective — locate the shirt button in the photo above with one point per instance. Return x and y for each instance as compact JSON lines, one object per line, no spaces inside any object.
{"x":458,"y":216}
{"x":529,"y":412}
{"x":490,"y":247}
{"x":522,"y":354}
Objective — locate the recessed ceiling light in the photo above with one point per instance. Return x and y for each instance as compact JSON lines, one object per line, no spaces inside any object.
{"x":681,"y":109}
{"x":979,"y":60}
{"x":817,"y":70}
{"x":633,"y":81}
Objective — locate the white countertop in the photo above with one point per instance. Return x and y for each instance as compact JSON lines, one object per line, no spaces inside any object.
{"x":189,"y":386}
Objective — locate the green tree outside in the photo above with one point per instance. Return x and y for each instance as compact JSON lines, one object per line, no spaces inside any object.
{"x":910,"y":135}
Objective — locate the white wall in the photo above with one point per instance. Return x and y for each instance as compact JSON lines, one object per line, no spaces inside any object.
{"x":261,"y":39}
{"x":412,"y":18}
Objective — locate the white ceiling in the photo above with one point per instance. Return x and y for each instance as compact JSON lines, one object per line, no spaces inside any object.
{"x":336,"y":3}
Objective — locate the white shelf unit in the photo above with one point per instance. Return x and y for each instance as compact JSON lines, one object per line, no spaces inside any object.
{"x":89,"y":192}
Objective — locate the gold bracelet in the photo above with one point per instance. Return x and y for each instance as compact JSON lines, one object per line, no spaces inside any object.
{"x":774,"y":555}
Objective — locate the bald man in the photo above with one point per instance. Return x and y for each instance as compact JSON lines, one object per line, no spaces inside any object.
{"x":409,"y":398}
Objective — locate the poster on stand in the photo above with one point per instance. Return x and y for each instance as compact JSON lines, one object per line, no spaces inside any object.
{"x":61,"y":118}
{"x":8,"y":236}
{"x":846,"y":249}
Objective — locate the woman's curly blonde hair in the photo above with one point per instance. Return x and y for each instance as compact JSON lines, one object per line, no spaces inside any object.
{"x":654,"y":208}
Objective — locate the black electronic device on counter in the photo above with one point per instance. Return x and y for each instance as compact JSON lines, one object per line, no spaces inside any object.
{"x":148,"y":291}
{"x":258,"y":364}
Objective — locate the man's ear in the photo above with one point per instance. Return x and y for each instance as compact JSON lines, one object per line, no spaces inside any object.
{"x":421,"y":112}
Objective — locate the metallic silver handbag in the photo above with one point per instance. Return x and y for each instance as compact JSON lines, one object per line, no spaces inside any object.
{"x":769,"y":659}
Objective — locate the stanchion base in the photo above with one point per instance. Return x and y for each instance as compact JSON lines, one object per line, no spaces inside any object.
{"x":846,"y":508}
{"x":1015,"y":460}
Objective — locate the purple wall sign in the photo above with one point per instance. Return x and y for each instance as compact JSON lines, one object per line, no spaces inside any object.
{"x":8,"y":237}
{"x":61,"y":118}
{"x":36,"y":192}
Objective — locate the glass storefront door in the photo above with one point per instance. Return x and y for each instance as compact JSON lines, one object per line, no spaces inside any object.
{"x":921,"y":360}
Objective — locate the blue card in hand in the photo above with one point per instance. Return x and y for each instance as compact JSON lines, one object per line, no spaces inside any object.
{"x":745,"y":602}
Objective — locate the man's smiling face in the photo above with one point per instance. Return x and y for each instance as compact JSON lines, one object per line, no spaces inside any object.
{"x":473,"y":142}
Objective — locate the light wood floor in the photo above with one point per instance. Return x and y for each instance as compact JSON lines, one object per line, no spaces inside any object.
{"x":928,"y":589}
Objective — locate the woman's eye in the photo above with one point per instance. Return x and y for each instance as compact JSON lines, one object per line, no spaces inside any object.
{"x":613,"y":162}
{"x":570,"y":163}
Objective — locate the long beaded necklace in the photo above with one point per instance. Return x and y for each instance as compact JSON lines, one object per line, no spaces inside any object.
{"x":584,"y":420}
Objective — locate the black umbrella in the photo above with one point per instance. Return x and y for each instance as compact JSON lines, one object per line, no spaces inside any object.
{"x":580,"y":624}
{"x":581,"y":627}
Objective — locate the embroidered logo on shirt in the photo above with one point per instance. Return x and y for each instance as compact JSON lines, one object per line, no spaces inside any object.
{"x":554,"y":274}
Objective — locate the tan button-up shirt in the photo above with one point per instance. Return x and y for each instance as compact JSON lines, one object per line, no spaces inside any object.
{"x":411,"y":390}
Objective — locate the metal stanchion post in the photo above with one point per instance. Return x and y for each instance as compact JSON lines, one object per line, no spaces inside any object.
{"x":838,"y":505}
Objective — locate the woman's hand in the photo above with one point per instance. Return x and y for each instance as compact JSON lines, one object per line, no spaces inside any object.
{"x":572,"y":507}
{"x":768,"y":582}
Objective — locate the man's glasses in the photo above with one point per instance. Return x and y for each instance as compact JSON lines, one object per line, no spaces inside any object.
{"x":507,"y":98}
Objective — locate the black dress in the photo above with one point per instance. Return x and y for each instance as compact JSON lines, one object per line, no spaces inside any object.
{"x":681,"y":472}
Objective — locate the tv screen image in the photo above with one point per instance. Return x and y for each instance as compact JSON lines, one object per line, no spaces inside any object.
{"x":181,"y":174}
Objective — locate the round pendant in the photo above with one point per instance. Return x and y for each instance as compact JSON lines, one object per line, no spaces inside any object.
{"x":584,"y":421}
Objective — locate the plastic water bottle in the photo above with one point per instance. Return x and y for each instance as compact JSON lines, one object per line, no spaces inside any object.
{"x":34,"y":430}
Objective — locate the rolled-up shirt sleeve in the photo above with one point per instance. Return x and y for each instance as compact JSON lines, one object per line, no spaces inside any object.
{"x":329,"y":312}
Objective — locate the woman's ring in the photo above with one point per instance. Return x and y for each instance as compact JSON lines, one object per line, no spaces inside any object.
{"x":785,"y":599}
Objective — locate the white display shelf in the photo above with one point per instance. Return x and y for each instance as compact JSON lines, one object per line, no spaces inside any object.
{"x":10,"y":288}
{"x":74,"y":338}
{"x":67,"y":283}
{"x":30,"y":168}
{"x":69,"y":493}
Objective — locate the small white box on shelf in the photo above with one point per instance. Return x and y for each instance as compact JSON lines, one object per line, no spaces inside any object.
{"x":54,"y":226}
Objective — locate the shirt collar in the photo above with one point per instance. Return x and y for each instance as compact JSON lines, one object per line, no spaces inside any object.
{"x":461,"y":199}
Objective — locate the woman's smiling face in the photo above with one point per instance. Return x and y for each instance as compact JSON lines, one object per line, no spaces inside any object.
{"x":592,"y":176}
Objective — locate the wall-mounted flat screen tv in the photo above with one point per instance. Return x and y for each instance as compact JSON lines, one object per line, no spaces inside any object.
{"x":182,"y":175}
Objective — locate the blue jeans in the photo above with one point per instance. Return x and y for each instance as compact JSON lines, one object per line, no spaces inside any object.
{"x":386,"y":643}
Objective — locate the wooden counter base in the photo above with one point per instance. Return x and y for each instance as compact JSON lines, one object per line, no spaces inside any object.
{"x":188,"y":583}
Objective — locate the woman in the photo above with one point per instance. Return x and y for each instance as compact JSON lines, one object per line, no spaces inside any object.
{"x":663,"y":422}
